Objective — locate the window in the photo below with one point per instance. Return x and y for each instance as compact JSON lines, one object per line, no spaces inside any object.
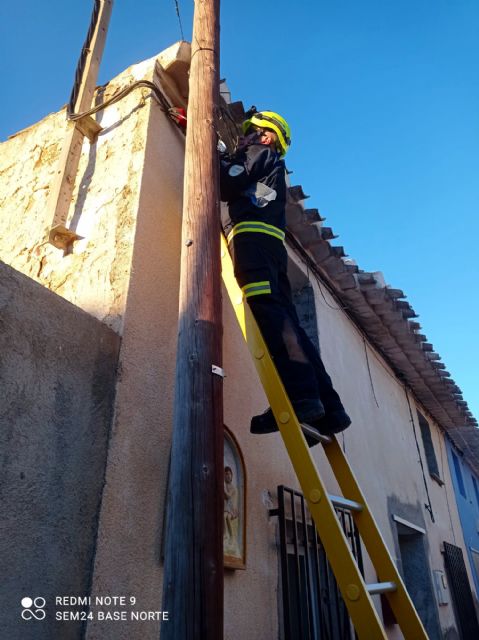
{"x":461,"y":591}
{"x":475,"y":560}
{"x":417,"y":573}
{"x":429,"y":448}
{"x":458,"y":472}
{"x":312,"y":604}
{"x":476,"y":489}
{"x":306,"y":309}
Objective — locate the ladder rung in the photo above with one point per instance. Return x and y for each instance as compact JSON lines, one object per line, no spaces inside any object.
{"x":313,"y":433}
{"x":344,"y":503}
{"x":380,"y":587}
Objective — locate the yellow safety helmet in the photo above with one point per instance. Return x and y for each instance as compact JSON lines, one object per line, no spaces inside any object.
{"x":273,"y":121}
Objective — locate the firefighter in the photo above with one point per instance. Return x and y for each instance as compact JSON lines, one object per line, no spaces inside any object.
{"x":253,"y":183}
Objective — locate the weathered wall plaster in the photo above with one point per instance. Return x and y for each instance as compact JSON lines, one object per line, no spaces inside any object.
{"x":95,"y":275}
{"x":57,"y":375}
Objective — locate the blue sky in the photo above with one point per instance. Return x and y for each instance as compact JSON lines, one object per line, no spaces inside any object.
{"x":383,"y":100}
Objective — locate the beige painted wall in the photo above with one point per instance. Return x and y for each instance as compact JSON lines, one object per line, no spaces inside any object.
{"x":380,"y":443}
{"x":129,"y":546}
{"x":127,"y":205}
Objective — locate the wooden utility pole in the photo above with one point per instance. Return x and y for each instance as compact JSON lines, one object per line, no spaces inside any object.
{"x":193,"y":572}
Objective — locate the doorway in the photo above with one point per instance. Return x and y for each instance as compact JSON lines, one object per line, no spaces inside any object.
{"x":417,"y":575}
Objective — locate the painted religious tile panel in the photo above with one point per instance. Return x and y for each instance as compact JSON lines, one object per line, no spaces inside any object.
{"x":234,"y":517}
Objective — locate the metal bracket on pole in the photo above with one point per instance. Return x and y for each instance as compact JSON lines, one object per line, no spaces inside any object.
{"x":218,"y":371}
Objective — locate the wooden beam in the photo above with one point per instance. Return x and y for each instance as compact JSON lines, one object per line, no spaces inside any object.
{"x":60,"y":196}
{"x":193,"y":572}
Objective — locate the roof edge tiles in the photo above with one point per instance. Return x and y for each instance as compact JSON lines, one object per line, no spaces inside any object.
{"x":386,"y":319}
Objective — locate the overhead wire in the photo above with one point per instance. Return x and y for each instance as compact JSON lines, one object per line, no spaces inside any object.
{"x":427,"y":505}
{"x":119,"y":95}
{"x":95,"y":16}
{"x":369,"y":372}
{"x":177,"y":5}
{"x":311,"y":268}
{"x":309,"y":262}
{"x":442,"y":442}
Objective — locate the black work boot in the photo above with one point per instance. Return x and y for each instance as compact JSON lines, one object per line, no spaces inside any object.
{"x":332,"y":422}
{"x":308,"y":410}
{"x":264,"y":423}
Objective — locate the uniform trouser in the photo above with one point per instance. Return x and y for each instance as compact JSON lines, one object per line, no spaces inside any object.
{"x":260,"y":265}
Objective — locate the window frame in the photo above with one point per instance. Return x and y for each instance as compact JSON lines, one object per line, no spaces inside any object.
{"x":459,"y":475}
{"x":428,"y":446}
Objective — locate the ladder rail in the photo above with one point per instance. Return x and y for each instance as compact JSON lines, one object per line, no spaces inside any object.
{"x":353,"y":588}
{"x":399,"y":599}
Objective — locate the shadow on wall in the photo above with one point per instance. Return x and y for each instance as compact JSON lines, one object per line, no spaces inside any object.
{"x":92,"y":159}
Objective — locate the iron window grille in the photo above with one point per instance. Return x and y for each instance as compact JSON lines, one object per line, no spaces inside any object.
{"x":313,"y":608}
{"x":461,"y":592}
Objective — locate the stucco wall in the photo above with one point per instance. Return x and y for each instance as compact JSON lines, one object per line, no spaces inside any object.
{"x":381,"y":443}
{"x":57,"y":375}
{"x":94,"y":276}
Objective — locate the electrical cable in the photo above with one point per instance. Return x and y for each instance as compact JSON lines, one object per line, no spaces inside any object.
{"x":79,"y":72}
{"x":312,"y":265}
{"x":342,"y":308}
{"x":384,"y":361}
{"x":369,"y":371}
{"x":309,"y":262}
{"x":82,"y":59}
{"x":165,"y":106}
{"x":445,"y":486}
{"x":428,"y":505}
{"x":226,"y":113}
{"x":179,"y":18}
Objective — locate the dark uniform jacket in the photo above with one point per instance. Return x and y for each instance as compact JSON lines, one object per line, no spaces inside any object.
{"x":253,"y":183}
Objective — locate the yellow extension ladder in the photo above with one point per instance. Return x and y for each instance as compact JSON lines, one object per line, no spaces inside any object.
{"x":356,"y":593}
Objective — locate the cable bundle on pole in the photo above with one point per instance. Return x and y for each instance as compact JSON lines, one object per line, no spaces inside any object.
{"x":80,"y":70}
